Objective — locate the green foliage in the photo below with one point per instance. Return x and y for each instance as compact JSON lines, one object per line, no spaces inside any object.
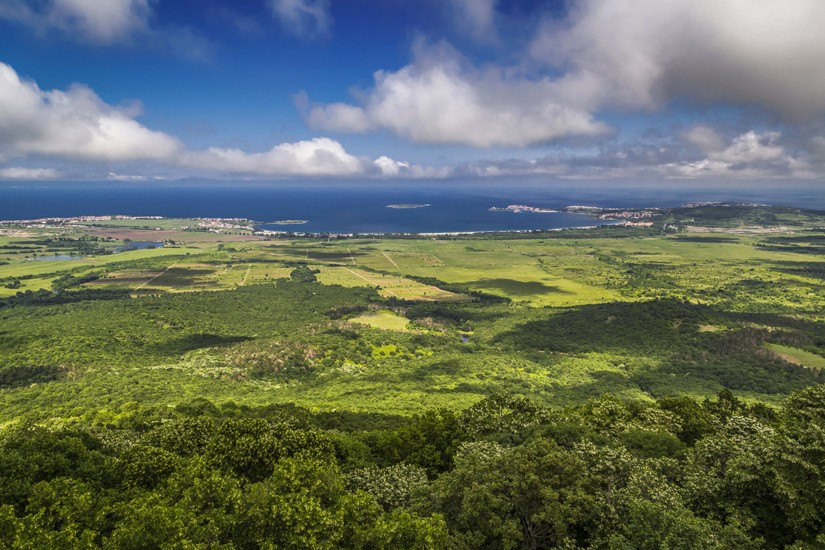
{"x":304,"y":274}
{"x":393,"y":486}
{"x":609,"y":473}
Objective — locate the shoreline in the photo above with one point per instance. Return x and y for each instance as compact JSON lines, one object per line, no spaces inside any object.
{"x":437,"y":233}
{"x":256,"y":227}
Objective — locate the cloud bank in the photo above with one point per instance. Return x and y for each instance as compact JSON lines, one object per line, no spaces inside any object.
{"x":603,"y":56}
{"x":77,"y":125}
{"x":700,"y":153}
{"x":21,"y":173}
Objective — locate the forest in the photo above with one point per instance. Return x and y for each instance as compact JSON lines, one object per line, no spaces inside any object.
{"x":629,"y":386}
{"x":503,"y":473}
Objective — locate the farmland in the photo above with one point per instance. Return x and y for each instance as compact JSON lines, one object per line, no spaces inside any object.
{"x":559,"y":316}
{"x":381,"y":380}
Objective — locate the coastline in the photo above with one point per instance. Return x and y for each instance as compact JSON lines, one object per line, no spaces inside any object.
{"x":610,"y":223}
{"x":258,"y":228}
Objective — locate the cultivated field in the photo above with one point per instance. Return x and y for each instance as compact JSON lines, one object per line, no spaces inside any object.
{"x":398,"y":325}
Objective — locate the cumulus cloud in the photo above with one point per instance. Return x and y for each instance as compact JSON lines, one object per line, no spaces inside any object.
{"x":90,"y":20}
{"x":304,"y":18}
{"x":602,"y":55}
{"x":334,"y":117}
{"x":441,"y":99}
{"x":754,"y":155}
{"x":75,"y":123}
{"x":390,"y":168}
{"x":640,"y":53}
{"x":21,"y":173}
{"x":751,"y":147}
{"x":316,"y":157}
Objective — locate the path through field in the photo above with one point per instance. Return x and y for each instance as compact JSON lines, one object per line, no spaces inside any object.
{"x":370,"y":282}
{"x":390,"y":259}
{"x":156,"y":276}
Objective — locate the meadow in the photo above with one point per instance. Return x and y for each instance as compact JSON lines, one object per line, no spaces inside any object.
{"x":402,"y":324}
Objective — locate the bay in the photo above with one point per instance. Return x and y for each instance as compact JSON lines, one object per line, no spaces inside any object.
{"x":362,"y":207}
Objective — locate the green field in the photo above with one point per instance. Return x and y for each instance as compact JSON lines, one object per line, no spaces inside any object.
{"x":799,"y":356}
{"x":386,"y":320}
{"x":607,"y":388}
{"x":560,"y":317}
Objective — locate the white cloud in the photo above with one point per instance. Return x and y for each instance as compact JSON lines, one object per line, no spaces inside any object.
{"x":114,"y":176}
{"x":77,"y":125}
{"x":304,"y":18}
{"x":316,"y":157}
{"x":334,"y":117}
{"x":476,"y":18}
{"x":103,"y":21}
{"x":439,"y":99}
{"x":751,"y":147}
{"x":21,"y":173}
{"x":73,"y":124}
{"x":749,"y":156}
{"x":391,"y":168}
{"x":636,"y":55}
{"x":640,"y":53}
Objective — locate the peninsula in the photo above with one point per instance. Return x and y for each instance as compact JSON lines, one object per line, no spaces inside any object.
{"x":519,"y":208}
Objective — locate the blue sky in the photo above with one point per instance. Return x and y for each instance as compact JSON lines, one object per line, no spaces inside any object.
{"x":434,"y":89}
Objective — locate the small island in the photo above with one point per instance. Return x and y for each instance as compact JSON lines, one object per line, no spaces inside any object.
{"x":289,"y":222}
{"x":519,"y":208}
{"x":404,"y":206}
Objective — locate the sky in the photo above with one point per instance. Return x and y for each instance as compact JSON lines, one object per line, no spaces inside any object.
{"x":652,"y":90}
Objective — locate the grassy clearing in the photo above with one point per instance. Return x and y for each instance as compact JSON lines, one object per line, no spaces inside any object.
{"x":798,"y":356}
{"x":384,"y":319}
{"x":387,"y":285}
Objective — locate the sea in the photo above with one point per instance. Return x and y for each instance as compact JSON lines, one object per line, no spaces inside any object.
{"x":363,"y":207}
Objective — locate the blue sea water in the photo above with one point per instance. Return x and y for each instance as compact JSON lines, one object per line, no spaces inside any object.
{"x":353,"y":207}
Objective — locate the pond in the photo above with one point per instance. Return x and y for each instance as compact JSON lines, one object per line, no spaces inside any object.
{"x":139,"y":245}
